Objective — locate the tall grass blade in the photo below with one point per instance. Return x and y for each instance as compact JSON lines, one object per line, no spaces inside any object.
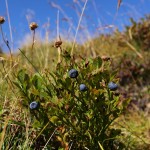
{"x":101,"y":147}
{"x":78,"y":27}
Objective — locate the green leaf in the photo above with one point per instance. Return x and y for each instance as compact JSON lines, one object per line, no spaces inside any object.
{"x":49,"y":90}
{"x":37,"y":82}
{"x":22,"y":76}
{"x":53,"y":76}
{"x":35,"y":92}
{"x":126,"y":103}
{"x":17,"y":84}
{"x":36,"y":124}
{"x":54,"y":119}
{"x":97,"y":63}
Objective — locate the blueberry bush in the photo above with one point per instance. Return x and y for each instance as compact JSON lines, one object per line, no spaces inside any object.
{"x":74,"y":104}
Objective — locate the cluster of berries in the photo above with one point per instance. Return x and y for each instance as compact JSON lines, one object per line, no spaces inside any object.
{"x":73,"y":73}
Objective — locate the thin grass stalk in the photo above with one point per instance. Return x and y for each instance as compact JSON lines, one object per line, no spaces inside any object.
{"x":12,"y":86}
{"x":3,"y":132}
{"x":101,"y":147}
{"x":49,"y":139}
{"x":41,"y":132}
{"x":134,"y":49}
{"x":6,"y":42}
{"x":71,"y":146}
{"x":9,"y":23}
{"x":59,"y":49}
{"x":30,"y":62}
{"x":78,"y":27}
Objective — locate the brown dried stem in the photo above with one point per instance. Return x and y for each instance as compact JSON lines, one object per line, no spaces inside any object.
{"x":6,"y":42}
{"x":32,"y":44}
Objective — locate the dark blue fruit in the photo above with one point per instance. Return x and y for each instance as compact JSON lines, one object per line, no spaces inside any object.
{"x":73,"y":73}
{"x":112,"y":86}
{"x":83,"y":87}
{"x":34,"y":105}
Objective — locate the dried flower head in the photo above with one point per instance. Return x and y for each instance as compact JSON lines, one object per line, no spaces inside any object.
{"x":105,"y":58}
{"x":58,"y":44}
{"x":2,"y":20}
{"x":33,"y":25}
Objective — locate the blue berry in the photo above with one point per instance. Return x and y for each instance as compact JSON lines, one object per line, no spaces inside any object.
{"x":83,"y":87}
{"x":34,"y":105}
{"x":112,"y":86}
{"x":73,"y":73}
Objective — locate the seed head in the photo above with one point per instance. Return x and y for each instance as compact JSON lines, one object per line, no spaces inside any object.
{"x":58,"y":44}
{"x":105,"y":58}
{"x":2,"y":20}
{"x":33,"y":25}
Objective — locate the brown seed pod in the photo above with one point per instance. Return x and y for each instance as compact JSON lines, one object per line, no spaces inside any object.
{"x":33,"y":25}
{"x":2,"y":20}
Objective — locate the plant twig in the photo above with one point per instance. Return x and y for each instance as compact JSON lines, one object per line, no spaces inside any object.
{"x":33,"y":44}
{"x":9,"y":23}
{"x":134,"y":49}
{"x":33,"y":26}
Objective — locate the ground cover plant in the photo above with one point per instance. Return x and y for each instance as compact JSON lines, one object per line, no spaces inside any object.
{"x":94,"y":98}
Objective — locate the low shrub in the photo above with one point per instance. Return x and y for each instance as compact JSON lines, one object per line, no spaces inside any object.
{"x":73,"y":114}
